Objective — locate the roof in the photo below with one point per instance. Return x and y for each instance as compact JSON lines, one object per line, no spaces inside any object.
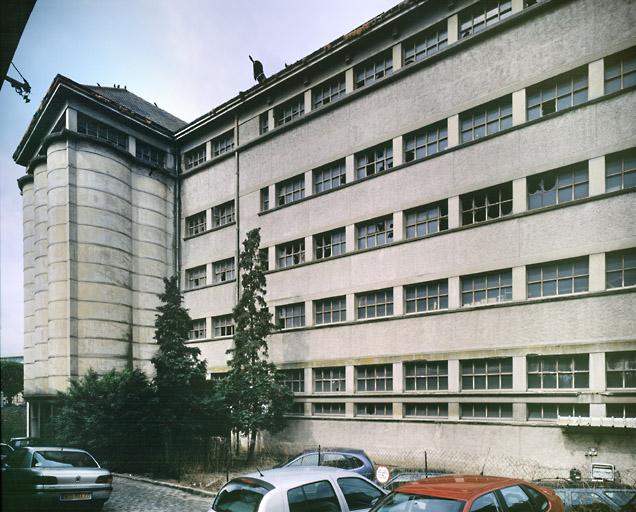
{"x":140,"y":106}
{"x":292,"y":477}
{"x":458,"y":487}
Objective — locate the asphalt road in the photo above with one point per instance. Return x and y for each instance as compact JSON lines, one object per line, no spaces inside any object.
{"x":133,"y":496}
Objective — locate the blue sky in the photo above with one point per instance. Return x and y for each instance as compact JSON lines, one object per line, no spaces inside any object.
{"x":186,"y":55}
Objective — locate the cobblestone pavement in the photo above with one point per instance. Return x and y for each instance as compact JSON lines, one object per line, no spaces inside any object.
{"x":132,"y":496}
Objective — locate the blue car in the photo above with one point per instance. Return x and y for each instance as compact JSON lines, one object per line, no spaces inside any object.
{"x":343,"y":458}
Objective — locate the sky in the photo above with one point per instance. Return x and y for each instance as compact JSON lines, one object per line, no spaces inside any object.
{"x":188,"y":56}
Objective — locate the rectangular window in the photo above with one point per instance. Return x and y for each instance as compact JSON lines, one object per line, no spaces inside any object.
{"x":487,"y":288}
{"x":195,"y":157}
{"x":620,"y":268}
{"x":329,"y":92}
{"x":373,"y":70}
{"x":374,"y":233}
{"x":223,"y":214}
{"x":558,"y":372}
{"x":195,"y":224}
{"x":482,"y":15}
{"x":557,"y":94}
{"x":290,"y":111}
{"x":426,"y":410}
{"x":426,"y":376}
{"x":486,"y":119}
{"x":426,"y":296}
{"x":375,"y":304}
{"x":290,"y":190}
{"x":558,"y":186}
{"x":558,"y":277}
{"x":425,"y":44}
{"x":539,"y":412}
{"x":329,"y":409}
{"x":290,"y":316}
{"x":329,"y":311}
{"x":329,"y":380}
{"x":621,"y":369}
{"x":294,"y":380}
{"x":195,"y":277}
{"x":486,"y":411}
{"x":374,"y":160}
{"x":375,"y":377}
{"x":223,"y":271}
{"x":487,"y":373}
{"x":197,"y":329}
{"x":263,"y":123}
{"x":620,"y":170}
{"x":620,"y":71}
{"x":265,"y":199}
{"x":291,"y":253}
{"x":374,"y":409}
{"x":330,"y":176}
{"x":102,"y":131}
{"x":620,"y":411}
{"x":223,"y":326}
{"x":426,"y":220}
{"x":487,"y":204}
{"x":298,"y":409}
{"x":223,"y":143}
{"x":426,"y":141}
{"x":330,"y":244}
{"x":150,"y":154}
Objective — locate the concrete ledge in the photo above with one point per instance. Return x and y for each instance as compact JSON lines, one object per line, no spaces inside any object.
{"x":184,"y":488}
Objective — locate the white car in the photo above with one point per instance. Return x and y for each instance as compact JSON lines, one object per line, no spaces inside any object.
{"x":309,"y":489}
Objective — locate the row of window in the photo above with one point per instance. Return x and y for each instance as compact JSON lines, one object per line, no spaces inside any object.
{"x":222,"y":271}
{"x":222,"y":215}
{"x":221,"y":326}
{"x":224,"y":143}
{"x":549,"y":188}
{"x":470,"y":410}
{"x":553,"y":95}
{"x":542,"y":280}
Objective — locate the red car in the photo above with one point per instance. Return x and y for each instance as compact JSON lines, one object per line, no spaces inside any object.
{"x":461,"y":493}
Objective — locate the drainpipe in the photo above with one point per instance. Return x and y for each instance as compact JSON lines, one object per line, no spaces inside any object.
{"x":236,"y":203}
{"x":177,"y":214}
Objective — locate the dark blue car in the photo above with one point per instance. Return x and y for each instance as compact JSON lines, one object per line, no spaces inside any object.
{"x":343,"y":458}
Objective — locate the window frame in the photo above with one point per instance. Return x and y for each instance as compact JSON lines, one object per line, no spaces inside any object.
{"x":371,"y":376}
{"x":548,"y":96}
{"x":575,"y":270}
{"x":198,"y":329}
{"x":290,"y":190}
{"x":287,"y":314}
{"x":382,"y":231}
{"x":504,"y":287}
{"x":195,"y":274}
{"x":624,"y":363}
{"x":340,"y":406}
{"x":337,"y":307}
{"x":573,"y":178}
{"x":324,"y":242}
{"x":470,"y":20}
{"x":363,"y":303}
{"x":476,"y":374}
{"x":195,"y":156}
{"x":196,"y":223}
{"x":223,"y":214}
{"x":374,"y":160}
{"x":483,"y":120}
{"x":334,"y":174}
{"x":373,"y":70}
{"x":474,"y":203}
{"x":224,"y":324}
{"x":541,"y":407}
{"x":431,"y":41}
{"x":290,"y":254}
{"x":293,"y":379}
{"x":223,"y":271}
{"x":87,"y":125}
{"x":413,"y":297}
{"x":223,"y":143}
{"x":619,"y":59}
{"x":335,"y":378}
{"x":488,"y":406}
{"x":535,"y":370}
{"x":620,"y":167}
{"x":425,"y":372}
{"x":427,"y":141}
{"x":289,"y":111}
{"x":329,"y":91}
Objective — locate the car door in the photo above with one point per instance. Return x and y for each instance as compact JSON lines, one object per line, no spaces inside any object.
{"x":516,"y":499}
{"x":359,"y":494}
{"x":318,"y":496}
{"x":588,"y":500}
{"x":486,"y":503}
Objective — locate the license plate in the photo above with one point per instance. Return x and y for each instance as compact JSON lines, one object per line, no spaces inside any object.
{"x":76,"y":496}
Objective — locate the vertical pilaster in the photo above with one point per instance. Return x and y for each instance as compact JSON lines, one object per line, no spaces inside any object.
{"x":519,"y":370}
{"x":271,"y":257}
{"x":309,"y":248}
{"x":398,"y":410}
{"x":132,"y":145}
{"x":596,"y":79}
{"x":519,"y":411}
{"x":597,"y":272}
{"x":350,"y":379}
{"x":350,"y":300}
{"x":350,"y":168}
{"x":309,"y":381}
{"x":398,"y":226}
{"x":309,"y":313}
{"x":454,"y":212}
{"x":271,"y":121}
{"x":453,"y":376}
{"x":453,"y":131}
{"x":453,"y":28}
{"x":208,"y":219}
{"x":273,"y":200}
{"x":598,"y":379}
{"x":209,"y":328}
{"x":308,"y":103}
{"x":398,"y":151}
{"x":519,"y":195}
{"x":309,"y":183}
{"x":519,"y":111}
{"x":597,"y":411}
{"x":517,"y":6}
{"x":453,"y":411}
{"x":397,"y":56}
{"x":349,"y":83}
{"x":398,"y":378}
{"x":350,"y":237}
{"x":596,"y":169}
{"x":398,"y":300}
{"x":208,"y":150}
{"x":71,"y":119}
{"x":454,"y":294}
{"x":209,"y":278}
{"x":519,"y":283}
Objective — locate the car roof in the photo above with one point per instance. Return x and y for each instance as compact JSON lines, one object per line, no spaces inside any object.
{"x":292,"y":477}
{"x":355,"y":451}
{"x":49,"y":448}
{"x":458,"y":487}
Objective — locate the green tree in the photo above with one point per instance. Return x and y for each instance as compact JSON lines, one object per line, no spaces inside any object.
{"x":189,"y":409}
{"x":12,"y":381}
{"x":256,"y":398}
{"x":111,"y":416}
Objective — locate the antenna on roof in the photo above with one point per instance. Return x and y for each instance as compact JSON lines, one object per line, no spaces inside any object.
{"x":155,"y":104}
{"x":259,"y":472}
{"x":481,"y":473}
{"x":98,"y":84}
{"x":257,"y":67}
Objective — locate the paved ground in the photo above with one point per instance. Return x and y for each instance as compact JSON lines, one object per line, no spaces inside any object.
{"x":133,"y":496}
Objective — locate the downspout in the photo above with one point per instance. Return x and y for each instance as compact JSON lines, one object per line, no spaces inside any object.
{"x":237,"y":204}
{"x":177,"y":214}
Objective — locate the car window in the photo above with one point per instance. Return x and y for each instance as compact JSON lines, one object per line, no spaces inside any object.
{"x":516,"y":499}
{"x":586,"y":501}
{"x":240,"y":496}
{"x":354,"y":462}
{"x":402,"y":502}
{"x":313,"y":497}
{"x":335,"y":460}
{"x":60,"y":459}
{"x":18,"y":459}
{"x":486,"y":503}
{"x":310,"y":460}
{"x":358,"y":493}
{"x":539,"y":500}
{"x":620,"y":496}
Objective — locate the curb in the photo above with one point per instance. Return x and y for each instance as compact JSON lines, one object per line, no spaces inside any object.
{"x":184,"y":488}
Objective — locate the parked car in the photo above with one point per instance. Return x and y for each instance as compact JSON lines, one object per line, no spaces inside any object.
{"x":6,"y":450}
{"x":459,"y":493}
{"x":343,"y":458}
{"x":403,"y":476}
{"x":21,"y":442}
{"x":298,"y":489}
{"x":593,"y":495}
{"x":43,"y":477}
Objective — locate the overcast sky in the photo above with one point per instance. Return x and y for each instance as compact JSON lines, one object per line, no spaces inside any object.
{"x":186,"y":55}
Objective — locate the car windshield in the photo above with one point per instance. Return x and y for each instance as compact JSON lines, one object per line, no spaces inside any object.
{"x":241,"y":495}
{"x":402,"y":502}
{"x":63,"y":459}
{"x":621,"y":496}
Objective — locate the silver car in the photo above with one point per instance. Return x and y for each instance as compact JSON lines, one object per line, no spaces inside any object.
{"x":298,"y":489}
{"x":47,"y":477}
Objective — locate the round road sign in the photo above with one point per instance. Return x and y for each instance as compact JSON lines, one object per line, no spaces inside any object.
{"x":382,"y":474}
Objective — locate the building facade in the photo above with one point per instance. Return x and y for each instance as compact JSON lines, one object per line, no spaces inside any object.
{"x":446,"y":203}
